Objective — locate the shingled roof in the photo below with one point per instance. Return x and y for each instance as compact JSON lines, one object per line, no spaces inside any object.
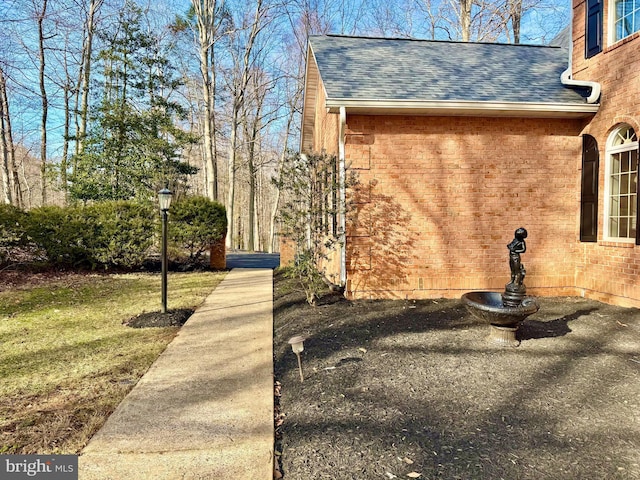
{"x":402,"y":76}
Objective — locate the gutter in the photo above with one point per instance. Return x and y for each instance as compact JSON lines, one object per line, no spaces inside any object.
{"x":566,"y":80}
{"x":473,"y":108}
{"x":343,"y":197}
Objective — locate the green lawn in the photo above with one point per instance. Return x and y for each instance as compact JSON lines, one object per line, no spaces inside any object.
{"x":67,"y":360}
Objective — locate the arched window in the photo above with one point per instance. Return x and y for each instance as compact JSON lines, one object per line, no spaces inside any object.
{"x":622,"y":185}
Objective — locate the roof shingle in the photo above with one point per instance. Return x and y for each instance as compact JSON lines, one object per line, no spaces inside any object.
{"x":356,"y":68}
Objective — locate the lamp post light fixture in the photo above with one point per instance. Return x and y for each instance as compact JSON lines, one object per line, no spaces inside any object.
{"x":297,"y":345}
{"x":164,"y":199}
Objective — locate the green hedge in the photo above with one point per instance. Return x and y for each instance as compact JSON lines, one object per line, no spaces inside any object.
{"x":122,"y":232}
{"x":58,"y":235}
{"x":112,"y":234}
{"x":11,"y":232}
{"x":195,"y":223}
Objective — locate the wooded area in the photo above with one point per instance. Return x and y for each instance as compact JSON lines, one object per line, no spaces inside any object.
{"x":115,"y":99}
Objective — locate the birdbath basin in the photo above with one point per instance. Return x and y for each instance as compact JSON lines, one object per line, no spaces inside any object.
{"x":503,"y":319}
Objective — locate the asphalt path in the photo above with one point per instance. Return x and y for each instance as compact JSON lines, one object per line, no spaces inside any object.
{"x":239,"y":259}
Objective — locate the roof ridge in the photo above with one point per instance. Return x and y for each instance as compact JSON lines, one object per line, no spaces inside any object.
{"x":427,"y":40}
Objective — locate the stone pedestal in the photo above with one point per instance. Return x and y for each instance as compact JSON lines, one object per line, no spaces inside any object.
{"x":504,"y":336}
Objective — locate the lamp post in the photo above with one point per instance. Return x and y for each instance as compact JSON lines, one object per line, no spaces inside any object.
{"x":164,"y":199}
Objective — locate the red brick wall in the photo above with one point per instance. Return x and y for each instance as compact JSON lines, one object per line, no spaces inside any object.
{"x":287,"y":251}
{"x":218,"y":255}
{"x":609,"y":271}
{"x":440,"y":197}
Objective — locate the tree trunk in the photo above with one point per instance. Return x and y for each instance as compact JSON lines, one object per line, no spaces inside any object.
{"x":7,"y":139}
{"x":209,"y":132}
{"x":86,"y":74}
{"x":515,"y":13}
{"x":214,"y":143}
{"x":205,"y":13}
{"x":45,"y":104}
{"x":232,"y":174}
{"x":465,"y":19}
{"x":6,"y":188}
{"x":65,"y":145}
{"x":251,"y":162}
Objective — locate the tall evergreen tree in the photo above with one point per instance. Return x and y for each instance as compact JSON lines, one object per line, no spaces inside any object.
{"x":134,"y":143}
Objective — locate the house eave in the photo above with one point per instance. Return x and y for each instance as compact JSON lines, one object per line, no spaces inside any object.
{"x":311,"y":82}
{"x":463,"y":108}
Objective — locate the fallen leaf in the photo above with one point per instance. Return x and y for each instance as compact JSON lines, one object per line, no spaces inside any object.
{"x":390,"y":475}
{"x":413,"y":475}
{"x":363,"y":350}
{"x":408,"y":461}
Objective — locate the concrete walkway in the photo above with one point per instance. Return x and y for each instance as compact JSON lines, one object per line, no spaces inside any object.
{"x":204,"y":410}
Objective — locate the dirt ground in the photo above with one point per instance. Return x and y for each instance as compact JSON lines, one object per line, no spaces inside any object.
{"x":413,"y":389}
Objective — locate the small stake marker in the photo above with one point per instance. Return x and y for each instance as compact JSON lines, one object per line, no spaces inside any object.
{"x":297,"y":345}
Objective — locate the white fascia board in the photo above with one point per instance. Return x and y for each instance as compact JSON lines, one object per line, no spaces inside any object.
{"x":498,"y":109}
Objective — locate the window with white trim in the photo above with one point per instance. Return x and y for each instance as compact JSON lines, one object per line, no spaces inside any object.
{"x":626,"y":18}
{"x":622,"y":185}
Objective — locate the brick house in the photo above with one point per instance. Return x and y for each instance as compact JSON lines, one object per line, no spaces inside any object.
{"x":456,"y":145}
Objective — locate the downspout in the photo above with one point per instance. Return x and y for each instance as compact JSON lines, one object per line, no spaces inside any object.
{"x":565,"y":77}
{"x":343,"y":197}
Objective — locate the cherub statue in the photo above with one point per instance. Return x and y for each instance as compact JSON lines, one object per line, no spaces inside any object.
{"x":516,"y":247}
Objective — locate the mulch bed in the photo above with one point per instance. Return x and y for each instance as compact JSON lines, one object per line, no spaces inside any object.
{"x":413,"y":389}
{"x":173,"y":318}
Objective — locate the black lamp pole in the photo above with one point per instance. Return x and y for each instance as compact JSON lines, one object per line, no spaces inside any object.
{"x":164,"y":198}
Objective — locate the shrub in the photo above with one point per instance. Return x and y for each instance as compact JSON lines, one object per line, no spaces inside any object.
{"x":121,"y":232}
{"x":107,"y":234}
{"x":195,"y":223}
{"x":12,"y":232}
{"x":59,"y":234}
{"x":308,"y":216}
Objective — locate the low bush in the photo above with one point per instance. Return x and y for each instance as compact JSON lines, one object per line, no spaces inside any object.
{"x":122,"y":233}
{"x":195,"y":224}
{"x":59,"y":235}
{"x":110,"y":234}
{"x":11,"y":232}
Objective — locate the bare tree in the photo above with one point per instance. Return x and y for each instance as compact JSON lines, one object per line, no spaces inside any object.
{"x":5,"y":135}
{"x":465,"y":19}
{"x":238,"y":89}
{"x":210,"y":16}
{"x":84,"y":74}
{"x":40,"y":14}
{"x":514,"y":9}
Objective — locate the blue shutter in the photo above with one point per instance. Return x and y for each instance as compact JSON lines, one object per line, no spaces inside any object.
{"x":593,"y":28}
{"x":589,"y":191}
